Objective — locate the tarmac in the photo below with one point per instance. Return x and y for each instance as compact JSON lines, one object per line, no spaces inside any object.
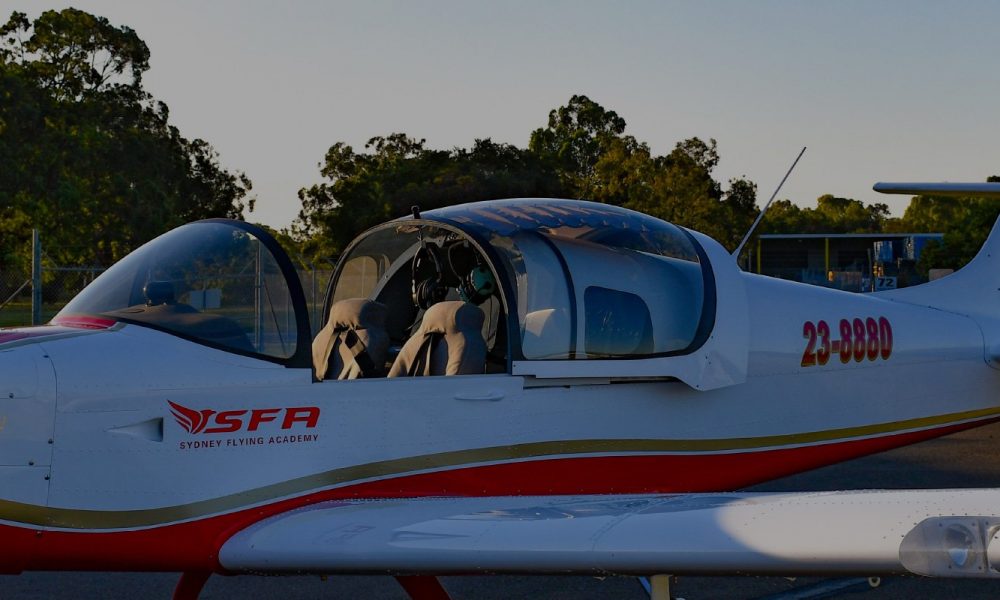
{"x":964,"y":460}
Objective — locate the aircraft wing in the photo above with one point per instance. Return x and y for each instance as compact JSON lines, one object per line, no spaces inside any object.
{"x":981,"y":189}
{"x":927,"y":532}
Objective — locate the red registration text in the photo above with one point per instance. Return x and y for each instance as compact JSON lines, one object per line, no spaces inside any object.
{"x":853,"y":339}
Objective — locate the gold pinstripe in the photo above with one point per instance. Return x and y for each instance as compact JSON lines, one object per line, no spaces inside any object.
{"x":68,"y":518}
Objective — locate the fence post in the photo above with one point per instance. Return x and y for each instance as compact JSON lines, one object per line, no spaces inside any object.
{"x":36,"y":278}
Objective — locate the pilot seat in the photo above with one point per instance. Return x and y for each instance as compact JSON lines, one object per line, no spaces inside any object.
{"x":449,"y":341}
{"x":354,"y":342}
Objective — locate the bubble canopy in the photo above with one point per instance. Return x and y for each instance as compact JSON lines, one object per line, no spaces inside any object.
{"x":222,"y":283}
{"x":600,"y":223}
{"x":582,"y":280}
{"x":577,"y":280}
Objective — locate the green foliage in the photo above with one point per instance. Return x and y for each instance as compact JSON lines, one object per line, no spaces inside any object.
{"x":831,"y":215}
{"x":72,"y":53}
{"x":683,"y":191}
{"x":965,"y":223}
{"x":397,"y":172}
{"x":576,"y":139}
{"x":583,"y":152}
{"x":90,"y":157}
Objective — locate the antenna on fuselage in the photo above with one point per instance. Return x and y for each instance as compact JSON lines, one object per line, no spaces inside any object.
{"x":736,"y":253}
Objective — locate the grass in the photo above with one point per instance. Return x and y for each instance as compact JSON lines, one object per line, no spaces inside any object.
{"x":18,"y":314}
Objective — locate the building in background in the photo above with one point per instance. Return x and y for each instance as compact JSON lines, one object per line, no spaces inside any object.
{"x":856,"y":262}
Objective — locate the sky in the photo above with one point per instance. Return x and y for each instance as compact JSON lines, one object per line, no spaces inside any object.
{"x":886,"y":90}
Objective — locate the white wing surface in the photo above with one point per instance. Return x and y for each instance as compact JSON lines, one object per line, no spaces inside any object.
{"x":988,"y":190}
{"x":928,"y":532}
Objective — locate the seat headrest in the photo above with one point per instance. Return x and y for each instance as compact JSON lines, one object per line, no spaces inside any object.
{"x":357,"y":313}
{"x":536,"y":321}
{"x":452,"y":317}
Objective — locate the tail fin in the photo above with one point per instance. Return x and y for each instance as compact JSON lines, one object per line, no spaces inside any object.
{"x":975,"y":288}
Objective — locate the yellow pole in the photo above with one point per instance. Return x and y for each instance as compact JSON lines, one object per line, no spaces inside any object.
{"x":659,"y":587}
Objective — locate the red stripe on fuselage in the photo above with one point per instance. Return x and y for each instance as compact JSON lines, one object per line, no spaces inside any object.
{"x":12,"y":335}
{"x":84,"y":322}
{"x":194,"y":546}
{"x":59,"y":326}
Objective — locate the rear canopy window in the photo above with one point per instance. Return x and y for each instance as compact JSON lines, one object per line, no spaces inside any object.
{"x":594,"y":281}
{"x":616,"y":323}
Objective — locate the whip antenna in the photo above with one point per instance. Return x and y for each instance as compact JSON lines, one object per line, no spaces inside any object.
{"x":736,"y":253}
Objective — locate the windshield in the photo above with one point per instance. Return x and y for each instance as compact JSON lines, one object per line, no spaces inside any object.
{"x":213,"y":282}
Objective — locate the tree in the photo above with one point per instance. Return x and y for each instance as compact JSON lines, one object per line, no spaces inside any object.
{"x":90,"y":157}
{"x":846,"y":215}
{"x":583,"y":152}
{"x":965,"y":223}
{"x":397,"y":172}
{"x":831,"y":215}
{"x":681,"y":190}
{"x":71,"y":54}
{"x":574,"y":141}
{"x":596,"y":160}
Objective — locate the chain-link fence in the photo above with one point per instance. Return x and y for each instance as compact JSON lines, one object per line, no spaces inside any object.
{"x":15,"y":297}
{"x":59,"y":284}
{"x":315,"y":278}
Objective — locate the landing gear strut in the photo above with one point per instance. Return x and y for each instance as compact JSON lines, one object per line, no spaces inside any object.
{"x":190,"y":584}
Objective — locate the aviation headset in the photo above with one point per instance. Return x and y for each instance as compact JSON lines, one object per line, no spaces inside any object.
{"x":478,"y":285}
{"x":429,"y":291}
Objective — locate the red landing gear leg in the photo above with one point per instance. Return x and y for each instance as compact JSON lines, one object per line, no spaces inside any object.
{"x":190,"y":584}
{"x":421,"y":587}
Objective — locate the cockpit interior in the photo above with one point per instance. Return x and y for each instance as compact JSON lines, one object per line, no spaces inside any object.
{"x":412,"y":299}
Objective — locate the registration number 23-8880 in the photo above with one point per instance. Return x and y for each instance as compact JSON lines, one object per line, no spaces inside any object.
{"x":854,"y":339}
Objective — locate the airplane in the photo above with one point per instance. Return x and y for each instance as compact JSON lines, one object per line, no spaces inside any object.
{"x":516,"y":386}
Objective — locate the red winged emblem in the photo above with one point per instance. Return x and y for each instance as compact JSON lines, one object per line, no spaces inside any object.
{"x":191,"y":420}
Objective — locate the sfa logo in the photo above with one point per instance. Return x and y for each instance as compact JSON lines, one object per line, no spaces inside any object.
{"x":229,"y":421}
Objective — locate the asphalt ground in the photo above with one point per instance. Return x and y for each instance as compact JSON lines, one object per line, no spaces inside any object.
{"x":968,"y":459}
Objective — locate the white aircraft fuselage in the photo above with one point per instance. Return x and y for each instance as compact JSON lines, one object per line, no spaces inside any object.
{"x":115,"y":436}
